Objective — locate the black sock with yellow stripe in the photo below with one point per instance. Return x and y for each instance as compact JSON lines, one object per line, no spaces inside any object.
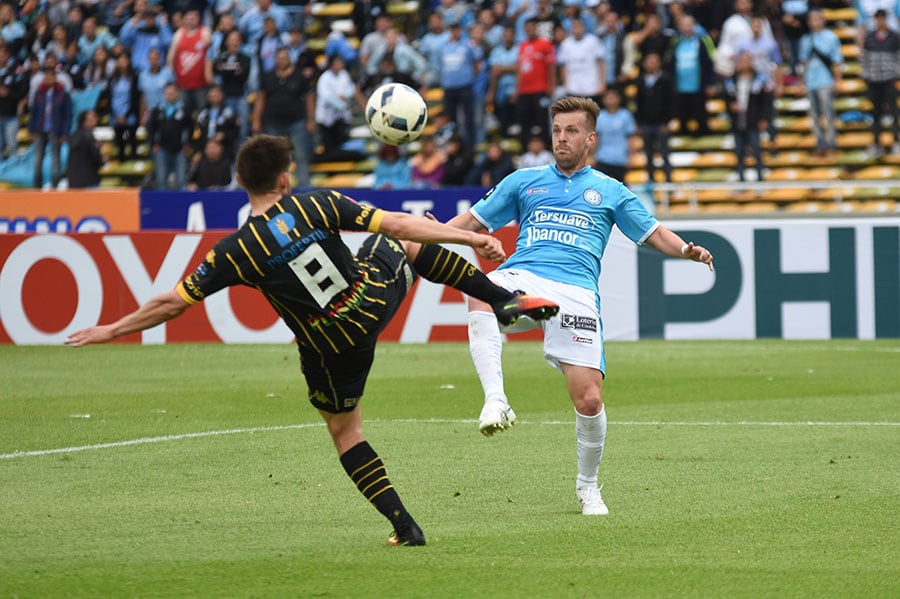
{"x":440,"y":265}
{"x":367,"y":472}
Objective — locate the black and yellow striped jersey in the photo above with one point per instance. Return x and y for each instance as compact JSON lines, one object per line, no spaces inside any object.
{"x":295,"y":256}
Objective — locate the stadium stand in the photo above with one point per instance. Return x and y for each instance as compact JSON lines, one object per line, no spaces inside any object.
{"x":797,"y":181}
{"x":704,"y":178}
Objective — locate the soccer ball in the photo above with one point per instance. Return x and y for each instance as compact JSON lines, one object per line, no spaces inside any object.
{"x":396,"y":114}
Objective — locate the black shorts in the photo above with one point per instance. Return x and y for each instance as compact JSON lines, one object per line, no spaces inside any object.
{"x":337,"y":380}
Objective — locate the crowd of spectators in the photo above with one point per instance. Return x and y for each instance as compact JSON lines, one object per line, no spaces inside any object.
{"x":200,"y":75}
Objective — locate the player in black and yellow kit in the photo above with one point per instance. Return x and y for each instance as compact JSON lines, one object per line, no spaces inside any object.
{"x":336,"y":303}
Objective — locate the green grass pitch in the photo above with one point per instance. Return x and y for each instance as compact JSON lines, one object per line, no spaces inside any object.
{"x":732,"y":469}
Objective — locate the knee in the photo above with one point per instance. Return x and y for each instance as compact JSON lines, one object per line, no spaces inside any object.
{"x":589,"y":402}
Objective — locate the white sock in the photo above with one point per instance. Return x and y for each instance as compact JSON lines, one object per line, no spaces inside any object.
{"x":486,"y":349}
{"x":590,"y":432}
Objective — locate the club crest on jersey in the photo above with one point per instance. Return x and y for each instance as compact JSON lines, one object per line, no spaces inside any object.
{"x":592,"y":197}
{"x":280,"y":227}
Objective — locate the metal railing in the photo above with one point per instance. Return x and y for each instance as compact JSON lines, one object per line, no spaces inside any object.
{"x":844,"y":189}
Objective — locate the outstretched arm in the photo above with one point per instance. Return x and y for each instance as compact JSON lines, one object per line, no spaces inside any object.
{"x":416,"y":228}
{"x":159,"y":309}
{"x":466,"y":222}
{"x":671,"y":244}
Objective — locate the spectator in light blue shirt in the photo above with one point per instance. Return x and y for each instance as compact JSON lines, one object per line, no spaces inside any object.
{"x":615,"y":129}
{"x":251,"y":23}
{"x":493,"y":31}
{"x":12,"y":31}
{"x":458,"y":69}
{"x":574,"y":10}
{"x":235,"y":8}
{"x":519,"y":11}
{"x":226,"y":25}
{"x":405,"y":56}
{"x":91,"y":38}
{"x":793,"y":23}
{"x":820,"y":53}
{"x":391,"y":171}
{"x":269,"y":43}
{"x":865,"y":14}
{"x":144,"y":32}
{"x":125,"y":107}
{"x":152,"y":82}
{"x":430,"y":46}
{"x":452,"y":11}
{"x":503,"y":62}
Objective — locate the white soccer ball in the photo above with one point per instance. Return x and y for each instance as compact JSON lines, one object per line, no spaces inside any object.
{"x":396,"y":114}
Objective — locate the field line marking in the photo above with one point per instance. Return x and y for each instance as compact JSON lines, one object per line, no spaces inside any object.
{"x":148,"y":440}
{"x":264,"y":429}
{"x":731,"y":423}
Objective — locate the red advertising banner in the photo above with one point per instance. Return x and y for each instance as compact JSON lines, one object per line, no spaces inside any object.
{"x":77,"y":211}
{"x":51,"y":285}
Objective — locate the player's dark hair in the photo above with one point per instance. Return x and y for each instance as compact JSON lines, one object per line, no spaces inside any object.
{"x":577,"y":104}
{"x":261,"y":160}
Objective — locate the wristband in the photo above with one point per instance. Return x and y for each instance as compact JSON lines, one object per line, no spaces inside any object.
{"x":684,"y":250}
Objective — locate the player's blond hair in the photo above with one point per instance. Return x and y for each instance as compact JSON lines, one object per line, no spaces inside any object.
{"x":577,"y":104}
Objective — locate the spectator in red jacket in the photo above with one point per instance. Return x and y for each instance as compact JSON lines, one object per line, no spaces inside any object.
{"x":535,"y":84}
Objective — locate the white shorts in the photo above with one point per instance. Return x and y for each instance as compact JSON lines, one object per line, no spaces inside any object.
{"x":575,"y":335}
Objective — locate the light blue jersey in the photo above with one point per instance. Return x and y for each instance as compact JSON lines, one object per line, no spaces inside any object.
{"x":564,"y":222}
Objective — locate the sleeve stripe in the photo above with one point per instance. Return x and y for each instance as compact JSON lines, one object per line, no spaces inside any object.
{"x":237,"y":269}
{"x":483,"y":222}
{"x":321,"y":212}
{"x":259,"y":240}
{"x":337,"y":215}
{"x":250,"y":257}
{"x":303,"y":212}
{"x":375,"y":221}
{"x":185,"y":295}
{"x":648,"y":233}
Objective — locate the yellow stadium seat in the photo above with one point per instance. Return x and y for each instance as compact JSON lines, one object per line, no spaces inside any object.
{"x":877,"y":192}
{"x":787,"y":159}
{"x":885,"y":171}
{"x":806,"y":207}
{"x":885,"y":205}
{"x":331,"y":9}
{"x":849,"y":51}
{"x":721,"y":207}
{"x":683,"y":175}
{"x":708,"y":196}
{"x":833,"y":15}
{"x":851,"y":86}
{"x":786,"y":194}
{"x":715,"y":159}
{"x":681,"y":209}
{"x":332,"y":167}
{"x":434,"y":94}
{"x":342,"y":180}
{"x":636,"y":177}
{"x":832,"y":193}
{"x":759,"y":207}
{"x":403,"y":8}
{"x":854,"y":139}
{"x":847,"y":33}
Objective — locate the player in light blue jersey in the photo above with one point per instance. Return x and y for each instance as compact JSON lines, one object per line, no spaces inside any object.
{"x":566,"y":212}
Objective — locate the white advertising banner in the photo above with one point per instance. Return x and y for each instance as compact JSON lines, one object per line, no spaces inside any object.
{"x":815,"y":278}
